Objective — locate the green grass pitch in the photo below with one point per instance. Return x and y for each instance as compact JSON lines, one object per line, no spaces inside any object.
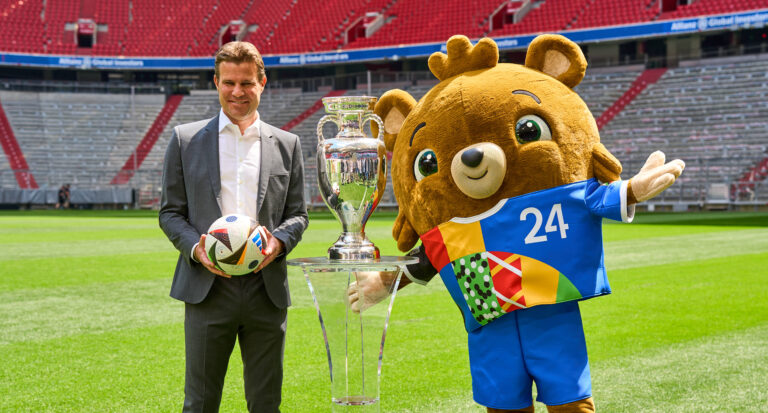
{"x":86,"y":323}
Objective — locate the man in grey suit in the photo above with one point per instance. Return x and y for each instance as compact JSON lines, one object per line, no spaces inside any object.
{"x":233,"y":163}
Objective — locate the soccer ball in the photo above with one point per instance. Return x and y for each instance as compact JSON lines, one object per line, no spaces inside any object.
{"x":235,"y":244}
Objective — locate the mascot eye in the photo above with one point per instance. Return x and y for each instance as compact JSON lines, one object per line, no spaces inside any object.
{"x":531,"y":128}
{"x":425,"y":165}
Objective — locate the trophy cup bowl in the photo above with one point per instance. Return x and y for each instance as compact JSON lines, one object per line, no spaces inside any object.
{"x":351,"y":173}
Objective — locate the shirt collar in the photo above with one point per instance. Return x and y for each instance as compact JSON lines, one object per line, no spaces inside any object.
{"x":224,"y":122}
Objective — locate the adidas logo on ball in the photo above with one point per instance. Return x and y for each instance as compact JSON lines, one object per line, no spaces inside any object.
{"x":235,"y":244}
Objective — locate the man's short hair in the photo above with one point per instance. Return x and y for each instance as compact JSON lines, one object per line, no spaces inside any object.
{"x":239,"y":52}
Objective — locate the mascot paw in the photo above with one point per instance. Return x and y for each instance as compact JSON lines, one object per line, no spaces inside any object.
{"x":655,"y":177}
{"x":370,"y":288}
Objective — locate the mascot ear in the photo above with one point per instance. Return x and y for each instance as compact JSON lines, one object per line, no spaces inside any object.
{"x":393,"y":107}
{"x":558,"y":57}
{"x":605,"y":166}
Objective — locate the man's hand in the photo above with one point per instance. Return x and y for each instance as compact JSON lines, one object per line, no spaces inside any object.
{"x":654,"y":177}
{"x":373,"y":286}
{"x":274,"y":248}
{"x":202,"y":258}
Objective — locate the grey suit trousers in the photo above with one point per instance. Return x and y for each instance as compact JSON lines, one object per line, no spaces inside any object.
{"x":236,"y":307}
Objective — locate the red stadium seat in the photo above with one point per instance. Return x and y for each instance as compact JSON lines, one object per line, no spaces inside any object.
{"x":182,"y":28}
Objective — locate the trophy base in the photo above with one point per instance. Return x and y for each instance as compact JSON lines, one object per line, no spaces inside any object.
{"x":353,"y":246}
{"x":355,"y":400}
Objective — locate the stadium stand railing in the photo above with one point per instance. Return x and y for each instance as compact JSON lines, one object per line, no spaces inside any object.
{"x":15,"y":157}
{"x":147,"y":143}
{"x":646,"y":78}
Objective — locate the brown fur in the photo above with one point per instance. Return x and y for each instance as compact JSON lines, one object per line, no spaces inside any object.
{"x":474,"y":103}
{"x":580,"y":406}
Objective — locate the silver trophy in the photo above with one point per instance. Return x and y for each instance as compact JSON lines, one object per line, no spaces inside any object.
{"x":351,"y":172}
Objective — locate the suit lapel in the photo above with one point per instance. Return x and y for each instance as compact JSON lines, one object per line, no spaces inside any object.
{"x":211,"y":147}
{"x":267,"y":154}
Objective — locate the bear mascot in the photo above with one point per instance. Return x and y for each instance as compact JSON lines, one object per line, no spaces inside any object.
{"x":499,"y":172}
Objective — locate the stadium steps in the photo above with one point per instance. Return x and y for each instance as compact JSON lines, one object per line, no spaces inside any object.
{"x":145,"y":146}
{"x":12,"y":150}
{"x":712,"y":114}
{"x":648,"y":77}
{"x":745,"y":185}
{"x":312,"y":109}
{"x":601,"y":87}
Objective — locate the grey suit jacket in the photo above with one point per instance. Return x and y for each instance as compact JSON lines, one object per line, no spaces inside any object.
{"x":190,"y":202}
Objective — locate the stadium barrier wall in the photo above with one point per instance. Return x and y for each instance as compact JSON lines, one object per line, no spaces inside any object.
{"x":109,"y":196}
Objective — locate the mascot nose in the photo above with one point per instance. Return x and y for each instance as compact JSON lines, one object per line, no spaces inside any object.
{"x":472,"y":157}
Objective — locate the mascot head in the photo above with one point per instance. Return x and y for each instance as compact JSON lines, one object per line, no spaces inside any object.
{"x":489,"y":131}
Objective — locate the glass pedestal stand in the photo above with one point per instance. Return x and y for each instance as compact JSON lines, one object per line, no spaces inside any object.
{"x":354,"y":340}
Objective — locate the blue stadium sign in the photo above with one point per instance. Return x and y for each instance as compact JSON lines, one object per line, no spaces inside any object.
{"x":631,"y":31}
{"x":93,"y":62}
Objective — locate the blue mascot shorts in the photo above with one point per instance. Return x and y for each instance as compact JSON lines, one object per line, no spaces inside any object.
{"x":542,"y":344}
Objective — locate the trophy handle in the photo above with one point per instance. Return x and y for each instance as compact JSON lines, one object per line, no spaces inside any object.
{"x":325,"y":119}
{"x":374,"y":117}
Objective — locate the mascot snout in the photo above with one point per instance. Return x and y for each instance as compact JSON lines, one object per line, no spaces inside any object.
{"x":478,"y":170}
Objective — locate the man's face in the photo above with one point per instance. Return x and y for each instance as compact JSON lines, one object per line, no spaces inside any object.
{"x":239,"y":90}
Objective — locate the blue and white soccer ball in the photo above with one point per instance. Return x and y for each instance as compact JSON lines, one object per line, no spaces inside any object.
{"x":235,"y":244}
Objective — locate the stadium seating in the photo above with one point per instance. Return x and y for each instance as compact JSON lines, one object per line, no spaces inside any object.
{"x":313,"y":26}
{"x":82,"y":139}
{"x":612,"y":12}
{"x":430,"y":21}
{"x":547,"y":16}
{"x":192,"y":108}
{"x":711,"y":113}
{"x":136,"y":159}
{"x":55,"y":16}
{"x":20,"y":26}
{"x":603,"y":86}
{"x":7,"y":176}
{"x":278,"y":107}
{"x":709,"y":7}
{"x":182,"y":28}
{"x":645,"y":79}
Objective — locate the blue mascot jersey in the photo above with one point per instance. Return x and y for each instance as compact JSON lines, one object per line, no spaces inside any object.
{"x":544,"y":247}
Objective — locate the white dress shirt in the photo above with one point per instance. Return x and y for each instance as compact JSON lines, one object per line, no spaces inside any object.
{"x":239,"y":163}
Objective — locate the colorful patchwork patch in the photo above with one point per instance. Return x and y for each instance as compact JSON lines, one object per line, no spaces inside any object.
{"x":474,"y":277}
{"x":495,"y":283}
